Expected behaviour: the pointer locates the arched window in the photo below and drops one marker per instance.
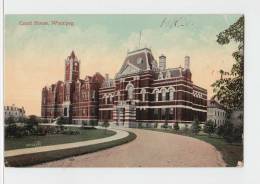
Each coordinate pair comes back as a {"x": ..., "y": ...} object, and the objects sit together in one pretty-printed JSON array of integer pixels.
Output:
[
  {"x": 171, "y": 93},
  {"x": 163, "y": 91},
  {"x": 168, "y": 74},
  {"x": 143, "y": 91},
  {"x": 130, "y": 91},
  {"x": 160, "y": 75},
  {"x": 111, "y": 98}
]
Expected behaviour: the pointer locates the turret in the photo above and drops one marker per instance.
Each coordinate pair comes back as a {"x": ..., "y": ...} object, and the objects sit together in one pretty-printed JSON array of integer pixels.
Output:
[{"x": 72, "y": 68}]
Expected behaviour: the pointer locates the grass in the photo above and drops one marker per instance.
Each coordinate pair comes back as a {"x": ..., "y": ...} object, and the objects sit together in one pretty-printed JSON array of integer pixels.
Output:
[
  {"x": 37, "y": 158},
  {"x": 231, "y": 152},
  {"x": 35, "y": 141}
]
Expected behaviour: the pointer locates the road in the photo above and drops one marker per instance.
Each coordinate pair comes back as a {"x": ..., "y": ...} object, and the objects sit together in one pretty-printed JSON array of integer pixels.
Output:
[{"x": 149, "y": 149}]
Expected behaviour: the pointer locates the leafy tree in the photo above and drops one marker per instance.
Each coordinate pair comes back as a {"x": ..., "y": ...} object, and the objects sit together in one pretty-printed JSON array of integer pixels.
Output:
[
  {"x": 209, "y": 127},
  {"x": 10, "y": 120},
  {"x": 195, "y": 127},
  {"x": 230, "y": 87},
  {"x": 176, "y": 126},
  {"x": 32, "y": 123}
]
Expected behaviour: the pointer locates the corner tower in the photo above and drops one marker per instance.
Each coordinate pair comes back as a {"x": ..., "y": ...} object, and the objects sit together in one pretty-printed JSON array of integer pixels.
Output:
[{"x": 72, "y": 66}]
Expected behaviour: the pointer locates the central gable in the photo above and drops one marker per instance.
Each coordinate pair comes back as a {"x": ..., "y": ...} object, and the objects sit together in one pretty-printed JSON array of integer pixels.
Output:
[{"x": 136, "y": 61}]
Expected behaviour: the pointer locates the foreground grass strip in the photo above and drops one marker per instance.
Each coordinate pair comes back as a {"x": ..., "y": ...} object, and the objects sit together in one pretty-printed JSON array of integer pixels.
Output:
[
  {"x": 37, "y": 158},
  {"x": 47, "y": 140},
  {"x": 231, "y": 153}
]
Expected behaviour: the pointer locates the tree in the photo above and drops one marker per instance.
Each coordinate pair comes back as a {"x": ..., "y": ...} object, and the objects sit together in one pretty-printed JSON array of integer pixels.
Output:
[
  {"x": 195, "y": 127},
  {"x": 230, "y": 87},
  {"x": 32, "y": 123},
  {"x": 176, "y": 126},
  {"x": 209, "y": 127},
  {"x": 10, "y": 120}
]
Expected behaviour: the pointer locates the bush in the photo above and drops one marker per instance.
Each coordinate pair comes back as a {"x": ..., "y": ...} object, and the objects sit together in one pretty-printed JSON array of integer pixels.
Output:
[
  {"x": 237, "y": 133},
  {"x": 219, "y": 130},
  {"x": 209, "y": 127},
  {"x": 195, "y": 127},
  {"x": 165, "y": 125},
  {"x": 228, "y": 132},
  {"x": 176, "y": 126},
  {"x": 156, "y": 125},
  {"x": 93, "y": 123},
  {"x": 63, "y": 120},
  {"x": 140, "y": 125}
]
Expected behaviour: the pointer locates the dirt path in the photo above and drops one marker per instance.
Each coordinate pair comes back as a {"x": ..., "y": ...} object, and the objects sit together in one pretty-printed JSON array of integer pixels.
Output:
[{"x": 150, "y": 149}]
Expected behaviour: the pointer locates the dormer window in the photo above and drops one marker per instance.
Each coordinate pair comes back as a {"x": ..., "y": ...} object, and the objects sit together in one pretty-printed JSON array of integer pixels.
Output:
[
  {"x": 168, "y": 74},
  {"x": 139, "y": 61},
  {"x": 160, "y": 75}
]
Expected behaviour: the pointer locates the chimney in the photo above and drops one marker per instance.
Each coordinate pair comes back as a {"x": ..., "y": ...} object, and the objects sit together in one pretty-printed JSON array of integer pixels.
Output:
[
  {"x": 106, "y": 76},
  {"x": 162, "y": 62},
  {"x": 186, "y": 62}
]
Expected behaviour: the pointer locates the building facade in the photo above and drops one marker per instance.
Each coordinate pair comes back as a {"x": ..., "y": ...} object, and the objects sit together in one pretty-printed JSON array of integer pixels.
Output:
[
  {"x": 216, "y": 112},
  {"x": 13, "y": 111},
  {"x": 143, "y": 91},
  {"x": 74, "y": 98}
]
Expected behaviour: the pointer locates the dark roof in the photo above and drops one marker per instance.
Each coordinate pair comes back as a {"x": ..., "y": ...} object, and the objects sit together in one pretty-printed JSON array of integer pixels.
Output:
[
  {"x": 141, "y": 59},
  {"x": 214, "y": 104},
  {"x": 175, "y": 72}
]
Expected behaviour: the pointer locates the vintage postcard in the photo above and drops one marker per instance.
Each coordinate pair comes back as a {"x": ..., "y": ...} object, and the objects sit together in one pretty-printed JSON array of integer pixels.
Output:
[{"x": 103, "y": 90}]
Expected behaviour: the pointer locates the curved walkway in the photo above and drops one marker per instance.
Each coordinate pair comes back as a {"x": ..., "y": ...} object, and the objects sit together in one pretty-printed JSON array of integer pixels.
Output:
[
  {"x": 149, "y": 149},
  {"x": 119, "y": 135}
]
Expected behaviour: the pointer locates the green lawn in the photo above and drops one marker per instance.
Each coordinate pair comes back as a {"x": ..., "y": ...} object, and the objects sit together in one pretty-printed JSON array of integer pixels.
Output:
[
  {"x": 35, "y": 141},
  {"x": 36, "y": 158},
  {"x": 231, "y": 152}
]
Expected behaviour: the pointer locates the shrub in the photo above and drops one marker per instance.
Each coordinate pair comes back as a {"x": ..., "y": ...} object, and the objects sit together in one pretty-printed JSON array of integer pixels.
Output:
[
  {"x": 219, "y": 130},
  {"x": 156, "y": 125},
  {"x": 209, "y": 127},
  {"x": 140, "y": 125},
  {"x": 228, "y": 131},
  {"x": 237, "y": 133},
  {"x": 176, "y": 126},
  {"x": 165, "y": 125},
  {"x": 195, "y": 127},
  {"x": 93, "y": 123},
  {"x": 62, "y": 120}
]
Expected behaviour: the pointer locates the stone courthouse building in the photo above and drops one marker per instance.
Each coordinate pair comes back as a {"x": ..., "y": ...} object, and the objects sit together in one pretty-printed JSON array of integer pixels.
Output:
[{"x": 143, "y": 91}]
